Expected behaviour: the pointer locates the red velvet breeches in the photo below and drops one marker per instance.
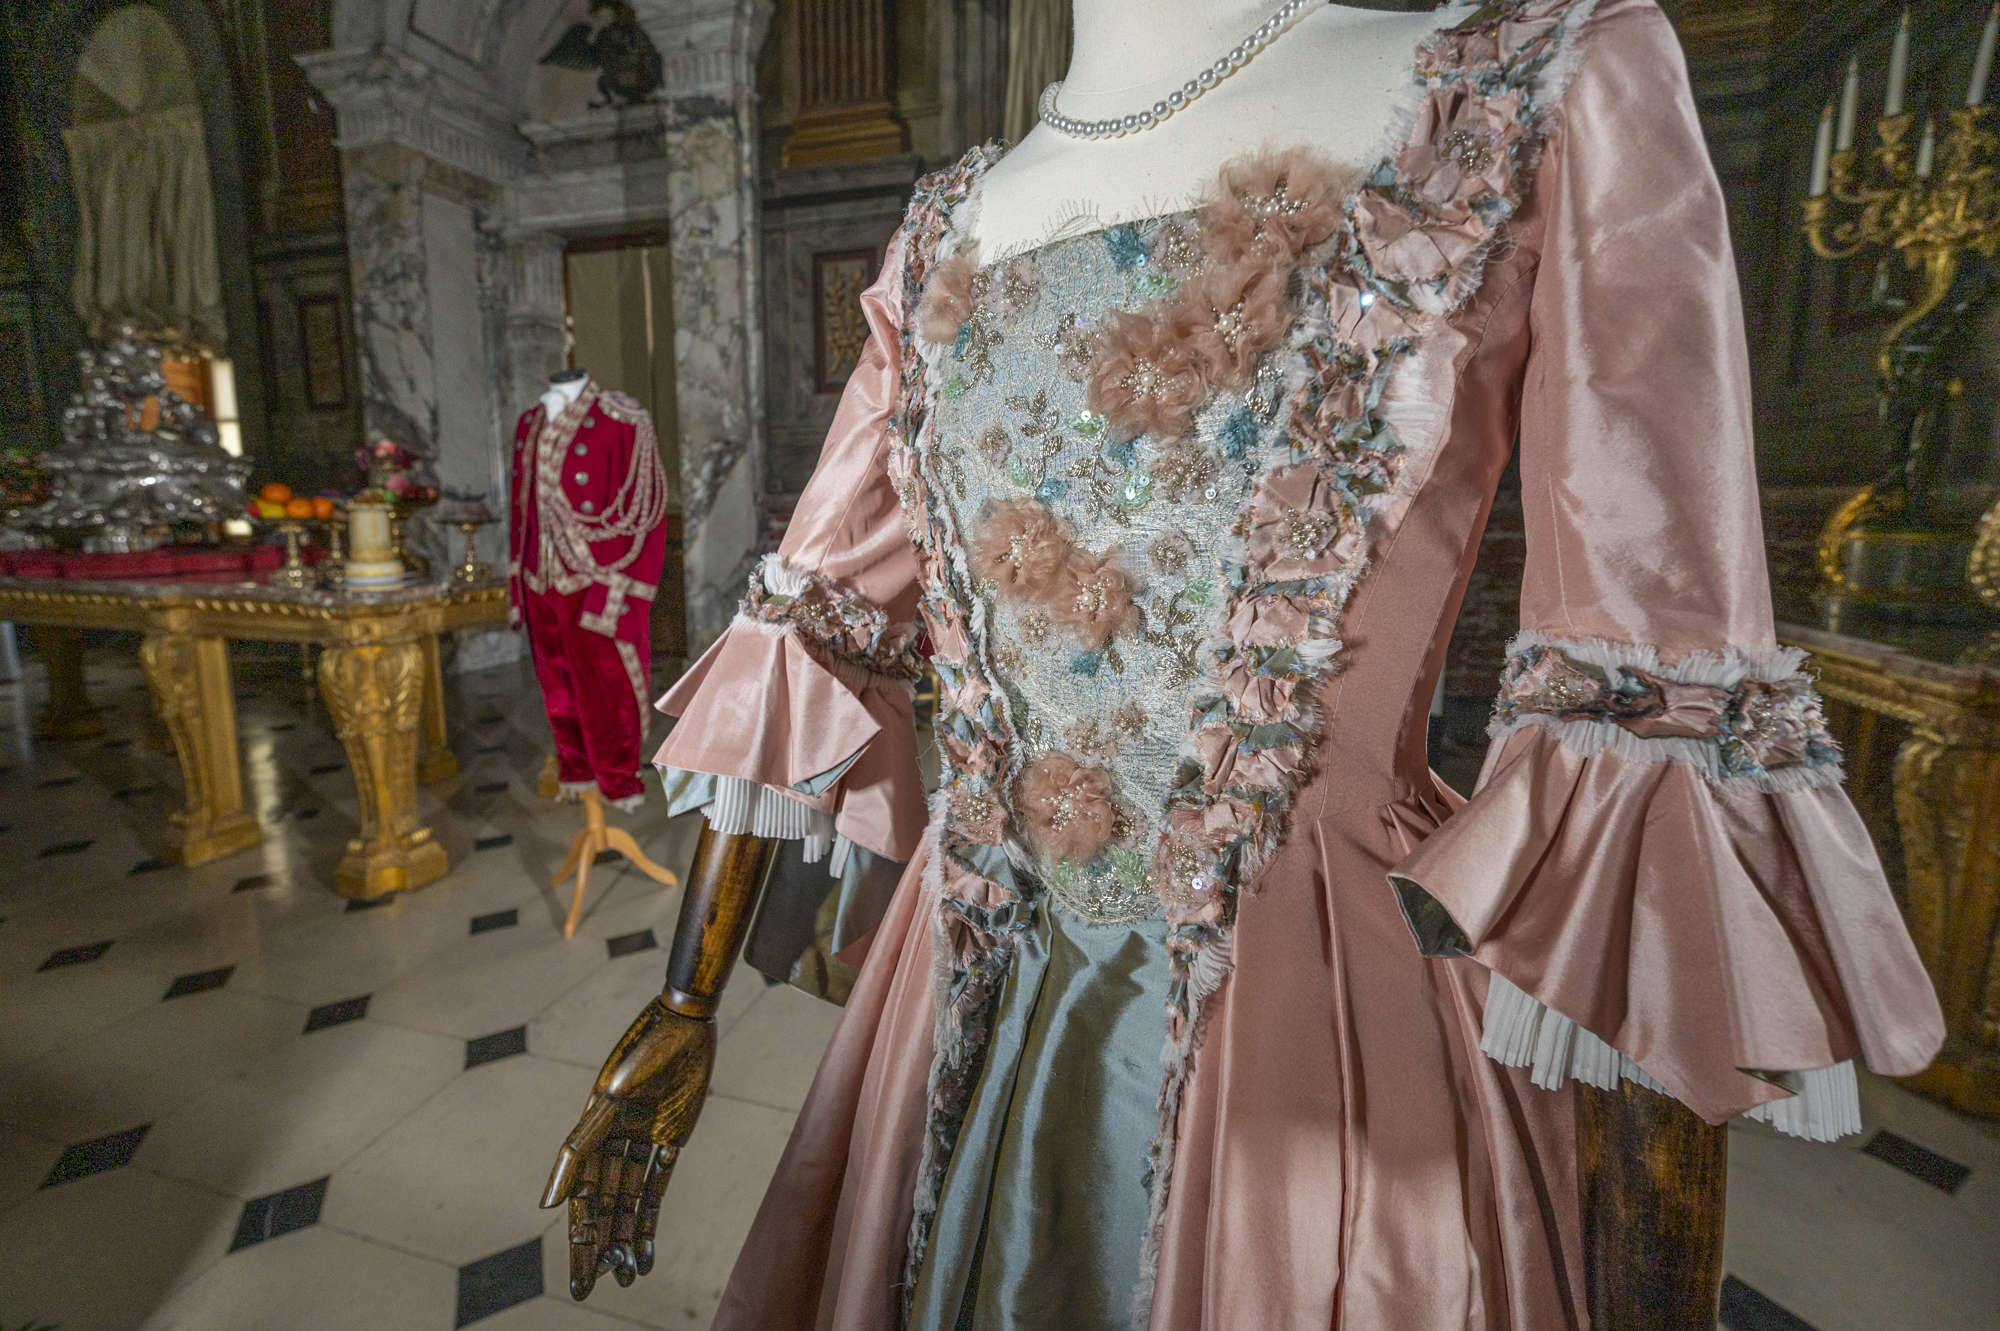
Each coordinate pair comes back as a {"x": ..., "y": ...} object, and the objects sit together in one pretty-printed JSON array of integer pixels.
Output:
[{"x": 591, "y": 686}]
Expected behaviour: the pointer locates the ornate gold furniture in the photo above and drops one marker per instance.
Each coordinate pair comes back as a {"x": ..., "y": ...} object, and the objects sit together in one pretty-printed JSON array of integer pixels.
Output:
[
  {"x": 378, "y": 670},
  {"x": 1918, "y": 711}
]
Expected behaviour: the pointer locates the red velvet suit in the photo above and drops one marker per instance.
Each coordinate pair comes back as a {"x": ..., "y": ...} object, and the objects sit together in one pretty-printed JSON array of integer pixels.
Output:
[{"x": 586, "y": 615}]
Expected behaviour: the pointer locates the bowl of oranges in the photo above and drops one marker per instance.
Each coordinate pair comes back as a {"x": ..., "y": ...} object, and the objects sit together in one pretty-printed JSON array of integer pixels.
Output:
[{"x": 276, "y": 500}]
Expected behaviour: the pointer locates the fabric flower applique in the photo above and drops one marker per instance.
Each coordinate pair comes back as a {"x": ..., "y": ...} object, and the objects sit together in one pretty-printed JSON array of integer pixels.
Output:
[
  {"x": 1067, "y": 808},
  {"x": 1299, "y": 526},
  {"x": 1229, "y": 316},
  {"x": 976, "y": 816},
  {"x": 1279, "y": 206},
  {"x": 1019, "y": 548},
  {"x": 950, "y": 295},
  {"x": 1093, "y": 598},
  {"x": 1142, "y": 378},
  {"x": 1177, "y": 246},
  {"x": 1016, "y": 286},
  {"x": 994, "y": 444}
]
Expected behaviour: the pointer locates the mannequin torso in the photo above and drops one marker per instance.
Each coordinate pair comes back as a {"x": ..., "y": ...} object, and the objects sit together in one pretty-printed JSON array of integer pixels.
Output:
[
  {"x": 563, "y": 389},
  {"x": 1332, "y": 82}
]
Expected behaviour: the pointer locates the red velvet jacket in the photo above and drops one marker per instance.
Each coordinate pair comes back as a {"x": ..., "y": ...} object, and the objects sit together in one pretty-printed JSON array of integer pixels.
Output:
[{"x": 589, "y": 449}]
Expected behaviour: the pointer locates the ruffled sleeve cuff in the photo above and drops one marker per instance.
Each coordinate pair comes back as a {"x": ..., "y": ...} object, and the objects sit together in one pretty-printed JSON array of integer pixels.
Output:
[
  {"x": 799, "y": 721},
  {"x": 1668, "y": 884}
]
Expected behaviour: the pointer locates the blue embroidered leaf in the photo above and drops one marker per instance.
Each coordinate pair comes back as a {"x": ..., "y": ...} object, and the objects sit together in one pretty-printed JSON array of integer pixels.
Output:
[
  {"x": 1055, "y": 487},
  {"x": 1238, "y": 434},
  {"x": 1085, "y": 663},
  {"x": 1128, "y": 250}
]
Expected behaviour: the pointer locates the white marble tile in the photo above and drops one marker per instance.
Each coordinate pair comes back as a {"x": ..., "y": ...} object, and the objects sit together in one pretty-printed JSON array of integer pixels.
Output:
[
  {"x": 314, "y": 1279},
  {"x": 710, "y": 1202},
  {"x": 101, "y": 1253},
  {"x": 489, "y": 982},
  {"x": 461, "y": 1178},
  {"x": 50, "y": 1008},
  {"x": 304, "y": 1110},
  {"x": 349, "y": 954},
  {"x": 555, "y": 1311},
  {"x": 140, "y": 1070},
  {"x": 25, "y": 1160},
  {"x": 770, "y": 1056}
]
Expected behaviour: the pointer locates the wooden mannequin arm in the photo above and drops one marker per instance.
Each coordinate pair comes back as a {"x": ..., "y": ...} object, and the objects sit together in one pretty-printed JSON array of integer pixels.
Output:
[
  {"x": 615, "y": 1164},
  {"x": 723, "y": 886}
]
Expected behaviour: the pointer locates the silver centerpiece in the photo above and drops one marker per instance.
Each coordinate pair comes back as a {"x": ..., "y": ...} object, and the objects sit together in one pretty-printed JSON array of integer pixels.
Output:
[{"x": 117, "y": 486}]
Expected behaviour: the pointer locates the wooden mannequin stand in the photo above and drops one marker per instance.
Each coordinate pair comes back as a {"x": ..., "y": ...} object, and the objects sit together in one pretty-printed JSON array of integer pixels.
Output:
[{"x": 597, "y": 835}]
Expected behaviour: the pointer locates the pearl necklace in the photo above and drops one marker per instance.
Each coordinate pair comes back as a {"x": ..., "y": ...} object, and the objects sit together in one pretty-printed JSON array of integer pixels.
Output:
[{"x": 1239, "y": 55}]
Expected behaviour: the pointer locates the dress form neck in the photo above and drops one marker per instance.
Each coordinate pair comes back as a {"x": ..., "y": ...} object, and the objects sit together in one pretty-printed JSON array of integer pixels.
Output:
[
  {"x": 1332, "y": 82},
  {"x": 562, "y": 391}
]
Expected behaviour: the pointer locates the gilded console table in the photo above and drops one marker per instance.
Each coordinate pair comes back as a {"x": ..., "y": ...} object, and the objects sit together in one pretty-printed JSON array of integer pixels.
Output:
[
  {"x": 378, "y": 670},
  {"x": 1918, "y": 711}
]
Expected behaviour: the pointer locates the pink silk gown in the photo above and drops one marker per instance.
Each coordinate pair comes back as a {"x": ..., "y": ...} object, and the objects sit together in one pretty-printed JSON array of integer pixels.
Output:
[{"x": 1373, "y": 990}]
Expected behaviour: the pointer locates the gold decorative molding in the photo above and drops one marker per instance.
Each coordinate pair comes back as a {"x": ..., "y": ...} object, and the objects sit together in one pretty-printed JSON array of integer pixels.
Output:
[
  {"x": 1946, "y": 796},
  {"x": 375, "y": 692}
]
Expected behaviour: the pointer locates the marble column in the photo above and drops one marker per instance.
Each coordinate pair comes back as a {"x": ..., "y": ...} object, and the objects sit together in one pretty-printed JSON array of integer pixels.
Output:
[{"x": 424, "y": 162}]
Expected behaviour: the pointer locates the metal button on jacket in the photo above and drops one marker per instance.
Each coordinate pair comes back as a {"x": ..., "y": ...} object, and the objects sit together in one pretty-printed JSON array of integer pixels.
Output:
[
  {"x": 581, "y": 450},
  {"x": 588, "y": 507},
  {"x": 583, "y": 478},
  {"x": 589, "y": 422}
]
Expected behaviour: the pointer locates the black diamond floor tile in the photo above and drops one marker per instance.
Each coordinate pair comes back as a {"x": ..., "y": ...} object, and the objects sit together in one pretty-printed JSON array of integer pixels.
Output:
[
  {"x": 336, "y": 1014},
  {"x": 494, "y": 842},
  {"x": 491, "y": 748},
  {"x": 57, "y": 782},
  {"x": 488, "y": 719},
  {"x": 371, "y": 903},
  {"x": 301, "y": 815},
  {"x": 255, "y": 881},
  {"x": 75, "y": 956},
  {"x": 116, "y": 744},
  {"x": 153, "y": 865},
  {"x": 326, "y": 769},
  {"x": 1744, "y": 1309},
  {"x": 1920, "y": 1162},
  {"x": 495, "y": 1284},
  {"x": 131, "y": 792},
  {"x": 605, "y": 857},
  {"x": 499, "y": 919},
  {"x": 198, "y": 983},
  {"x": 282, "y": 727},
  {"x": 94, "y": 1157},
  {"x": 626, "y": 944},
  {"x": 280, "y": 1213},
  {"x": 493, "y": 1048},
  {"x": 65, "y": 848},
  {"x": 489, "y": 788}
]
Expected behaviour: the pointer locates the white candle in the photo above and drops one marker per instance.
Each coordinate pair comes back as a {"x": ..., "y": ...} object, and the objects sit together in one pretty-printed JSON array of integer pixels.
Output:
[
  {"x": 1927, "y": 150},
  {"x": 1982, "y": 65},
  {"x": 1850, "y": 106},
  {"x": 1899, "y": 68},
  {"x": 1823, "y": 152}
]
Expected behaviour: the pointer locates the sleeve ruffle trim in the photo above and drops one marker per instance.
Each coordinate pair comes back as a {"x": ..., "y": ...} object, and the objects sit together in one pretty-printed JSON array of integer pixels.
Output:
[
  {"x": 1746, "y": 718},
  {"x": 771, "y": 707},
  {"x": 1737, "y": 945}
]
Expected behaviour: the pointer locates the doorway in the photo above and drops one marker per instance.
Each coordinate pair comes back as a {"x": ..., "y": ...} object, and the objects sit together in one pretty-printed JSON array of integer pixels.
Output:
[{"x": 618, "y": 299}]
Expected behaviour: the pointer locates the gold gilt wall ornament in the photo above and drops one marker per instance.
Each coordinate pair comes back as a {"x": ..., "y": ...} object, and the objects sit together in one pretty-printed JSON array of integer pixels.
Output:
[{"x": 1935, "y": 199}]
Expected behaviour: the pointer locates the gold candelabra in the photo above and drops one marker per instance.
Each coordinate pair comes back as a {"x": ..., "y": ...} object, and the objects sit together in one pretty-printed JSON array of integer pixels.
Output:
[{"x": 1934, "y": 199}]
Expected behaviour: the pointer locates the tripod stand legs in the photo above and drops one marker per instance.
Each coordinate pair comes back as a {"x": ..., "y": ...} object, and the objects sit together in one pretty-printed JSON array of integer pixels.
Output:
[{"x": 596, "y": 836}]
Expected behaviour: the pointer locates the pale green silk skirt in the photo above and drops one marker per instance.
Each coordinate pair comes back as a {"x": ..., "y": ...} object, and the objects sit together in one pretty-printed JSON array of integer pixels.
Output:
[{"x": 1043, "y": 1209}]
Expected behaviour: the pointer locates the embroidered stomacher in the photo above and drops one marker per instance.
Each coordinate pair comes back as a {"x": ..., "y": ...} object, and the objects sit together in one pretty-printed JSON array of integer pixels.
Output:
[{"x": 1368, "y": 269}]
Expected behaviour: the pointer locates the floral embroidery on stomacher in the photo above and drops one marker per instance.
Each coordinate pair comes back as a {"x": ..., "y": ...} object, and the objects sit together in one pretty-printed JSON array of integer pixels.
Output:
[
  {"x": 1747, "y": 719},
  {"x": 835, "y": 620}
]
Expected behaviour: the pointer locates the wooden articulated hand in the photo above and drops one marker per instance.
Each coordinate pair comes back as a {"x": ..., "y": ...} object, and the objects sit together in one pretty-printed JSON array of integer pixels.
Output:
[{"x": 614, "y": 1166}]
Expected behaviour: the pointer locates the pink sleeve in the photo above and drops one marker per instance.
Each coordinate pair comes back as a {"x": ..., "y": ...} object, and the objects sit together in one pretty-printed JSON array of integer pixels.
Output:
[
  {"x": 1660, "y": 866},
  {"x": 808, "y": 692}
]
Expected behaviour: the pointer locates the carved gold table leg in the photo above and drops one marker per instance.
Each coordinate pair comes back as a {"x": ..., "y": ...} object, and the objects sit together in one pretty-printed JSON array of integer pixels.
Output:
[
  {"x": 68, "y": 714},
  {"x": 435, "y": 760},
  {"x": 189, "y": 676},
  {"x": 1948, "y": 810},
  {"x": 375, "y": 692}
]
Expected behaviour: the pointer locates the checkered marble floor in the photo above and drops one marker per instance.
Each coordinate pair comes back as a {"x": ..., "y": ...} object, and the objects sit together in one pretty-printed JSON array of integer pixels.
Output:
[{"x": 231, "y": 1099}]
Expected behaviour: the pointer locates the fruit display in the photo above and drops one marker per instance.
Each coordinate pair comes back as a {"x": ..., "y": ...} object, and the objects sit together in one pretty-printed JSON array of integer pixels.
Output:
[{"x": 277, "y": 500}]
